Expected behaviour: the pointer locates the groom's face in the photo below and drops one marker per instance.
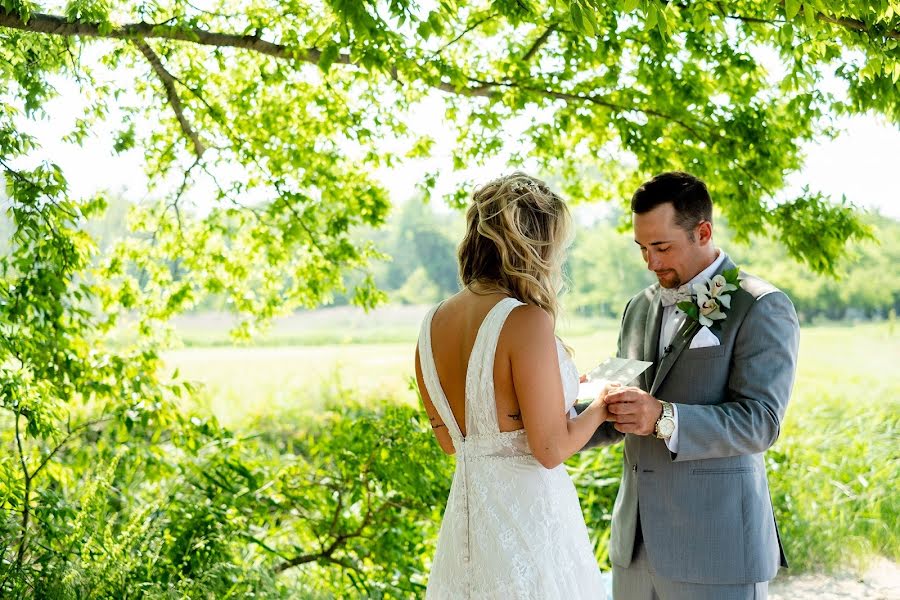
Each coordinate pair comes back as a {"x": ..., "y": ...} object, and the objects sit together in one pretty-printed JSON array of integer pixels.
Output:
[{"x": 668, "y": 249}]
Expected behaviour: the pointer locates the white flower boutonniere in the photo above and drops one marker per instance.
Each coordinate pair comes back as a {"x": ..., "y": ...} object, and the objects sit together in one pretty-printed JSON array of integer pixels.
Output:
[{"x": 710, "y": 300}]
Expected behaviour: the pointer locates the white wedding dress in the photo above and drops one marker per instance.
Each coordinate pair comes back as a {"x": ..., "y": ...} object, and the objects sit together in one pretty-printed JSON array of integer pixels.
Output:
[{"x": 512, "y": 529}]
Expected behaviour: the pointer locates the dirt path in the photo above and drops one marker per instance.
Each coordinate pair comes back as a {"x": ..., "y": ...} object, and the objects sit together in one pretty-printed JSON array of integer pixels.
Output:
[{"x": 880, "y": 582}]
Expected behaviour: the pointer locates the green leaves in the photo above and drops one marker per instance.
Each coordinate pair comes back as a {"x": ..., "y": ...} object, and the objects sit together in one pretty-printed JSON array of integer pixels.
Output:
[
  {"x": 582, "y": 18},
  {"x": 329, "y": 55},
  {"x": 690, "y": 309},
  {"x": 732, "y": 276},
  {"x": 811, "y": 221},
  {"x": 88, "y": 11},
  {"x": 791, "y": 8}
]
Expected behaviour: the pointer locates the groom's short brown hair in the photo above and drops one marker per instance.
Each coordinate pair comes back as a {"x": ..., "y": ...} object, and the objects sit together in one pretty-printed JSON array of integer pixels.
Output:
[{"x": 688, "y": 195}]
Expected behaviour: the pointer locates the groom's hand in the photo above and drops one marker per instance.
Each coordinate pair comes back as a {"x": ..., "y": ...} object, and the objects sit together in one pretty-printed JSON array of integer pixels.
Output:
[{"x": 633, "y": 410}]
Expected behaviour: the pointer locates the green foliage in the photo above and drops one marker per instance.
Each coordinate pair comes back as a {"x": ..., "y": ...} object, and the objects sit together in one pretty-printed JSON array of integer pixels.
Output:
[
  {"x": 345, "y": 503},
  {"x": 832, "y": 477},
  {"x": 108, "y": 488},
  {"x": 288, "y": 108},
  {"x": 597, "y": 474},
  {"x": 862, "y": 290}
]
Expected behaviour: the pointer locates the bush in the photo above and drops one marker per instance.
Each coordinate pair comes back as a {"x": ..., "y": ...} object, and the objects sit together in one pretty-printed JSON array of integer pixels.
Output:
[
  {"x": 596, "y": 474},
  {"x": 834, "y": 475},
  {"x": 343, "y": 505}
]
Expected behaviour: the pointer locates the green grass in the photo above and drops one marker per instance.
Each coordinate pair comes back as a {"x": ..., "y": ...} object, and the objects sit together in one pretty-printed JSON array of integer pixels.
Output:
[
  {"x": 339, "y": 326},
  {"x": 246, "y": 380},
  {"x": 834, "y": 470}
]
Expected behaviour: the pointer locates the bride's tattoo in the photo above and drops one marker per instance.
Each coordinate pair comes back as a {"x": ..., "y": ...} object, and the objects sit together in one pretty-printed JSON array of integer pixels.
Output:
[
  {"x": 515, "y": 417},
  {"x": 436, "y": 423},
  {"x": 438, "y": 426}
]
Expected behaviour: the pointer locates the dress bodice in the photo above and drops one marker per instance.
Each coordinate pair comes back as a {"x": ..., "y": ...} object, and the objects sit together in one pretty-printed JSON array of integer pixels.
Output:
[{"x": 569, "y": 374}]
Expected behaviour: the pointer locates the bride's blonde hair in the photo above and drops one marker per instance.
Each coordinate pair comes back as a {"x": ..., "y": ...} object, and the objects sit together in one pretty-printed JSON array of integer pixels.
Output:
[{"x": 517, "y": 233}]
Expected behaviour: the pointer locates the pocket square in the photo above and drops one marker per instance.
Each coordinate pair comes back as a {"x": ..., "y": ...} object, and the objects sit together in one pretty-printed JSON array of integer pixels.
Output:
[{"x": 704, "y": 339}]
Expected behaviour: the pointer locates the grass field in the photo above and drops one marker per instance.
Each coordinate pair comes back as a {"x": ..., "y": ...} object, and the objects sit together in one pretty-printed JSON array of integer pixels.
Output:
[
  {"x": 857, "y": 361},
  {"x": 313, "y": 356}
]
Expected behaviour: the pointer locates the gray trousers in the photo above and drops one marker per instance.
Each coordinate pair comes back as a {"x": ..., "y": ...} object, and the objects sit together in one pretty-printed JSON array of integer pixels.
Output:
[{"x": 638, "y": 581}]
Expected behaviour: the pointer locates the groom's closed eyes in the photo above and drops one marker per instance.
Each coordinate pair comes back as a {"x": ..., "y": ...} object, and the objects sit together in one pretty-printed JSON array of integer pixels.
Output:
[{"x": 660, "y": 246}]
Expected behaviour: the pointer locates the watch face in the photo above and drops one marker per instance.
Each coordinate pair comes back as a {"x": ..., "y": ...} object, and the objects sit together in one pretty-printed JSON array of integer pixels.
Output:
[{"x": 666, "y": 427}]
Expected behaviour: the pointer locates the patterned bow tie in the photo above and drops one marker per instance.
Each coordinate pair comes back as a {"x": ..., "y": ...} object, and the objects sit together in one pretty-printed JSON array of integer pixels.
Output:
[{"x": 672, "y": 296}]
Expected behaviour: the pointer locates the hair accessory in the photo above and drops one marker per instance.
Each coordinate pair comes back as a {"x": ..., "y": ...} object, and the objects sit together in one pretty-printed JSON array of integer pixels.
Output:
[{"x": 523, "y": 187}]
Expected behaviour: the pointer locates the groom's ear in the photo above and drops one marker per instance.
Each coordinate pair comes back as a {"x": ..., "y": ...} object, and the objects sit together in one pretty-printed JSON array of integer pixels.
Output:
[{"x": 704, "y": 232}]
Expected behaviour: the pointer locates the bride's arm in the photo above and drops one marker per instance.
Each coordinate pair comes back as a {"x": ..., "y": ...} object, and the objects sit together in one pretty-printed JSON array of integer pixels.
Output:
[
  {"x": 606, "y": 434},
  {"x": 552, "y": 436}
]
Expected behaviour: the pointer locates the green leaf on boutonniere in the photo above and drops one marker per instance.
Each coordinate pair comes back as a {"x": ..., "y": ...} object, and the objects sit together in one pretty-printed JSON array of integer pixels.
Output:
[
  {"x": 732, "y": 275},
  {"x": 690, "y": 309}
]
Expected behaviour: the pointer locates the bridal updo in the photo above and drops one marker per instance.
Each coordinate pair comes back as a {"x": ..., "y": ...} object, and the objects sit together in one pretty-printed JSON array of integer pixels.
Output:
[{"x": 517, "y": 233}]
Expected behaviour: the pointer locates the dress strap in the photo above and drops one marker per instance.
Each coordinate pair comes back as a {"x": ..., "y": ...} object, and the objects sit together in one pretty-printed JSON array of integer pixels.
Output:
[
  {"x": 433, "y": 382},
  {"x": 481, "y": 404}
]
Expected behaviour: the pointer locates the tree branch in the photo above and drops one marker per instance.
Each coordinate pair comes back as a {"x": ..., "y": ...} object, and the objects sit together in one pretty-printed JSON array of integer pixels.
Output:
[
  {"x": 26, "y": 497},
  {"x": 540, "y": 41},
  {"x": 56, "y": 25},
  {"x": 168, "y": 82},
  {"x": 66, "y": 440},
  {"x": 845, "y": 22},
  {"x": 856, "y": 25},
  {"x": 50, "y": 24},
  {"x": 465, "y": 32}
]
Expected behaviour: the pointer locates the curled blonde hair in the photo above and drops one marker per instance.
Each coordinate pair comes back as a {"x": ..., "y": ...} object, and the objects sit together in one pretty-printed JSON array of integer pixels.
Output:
[{"x": 517, "y": 233}]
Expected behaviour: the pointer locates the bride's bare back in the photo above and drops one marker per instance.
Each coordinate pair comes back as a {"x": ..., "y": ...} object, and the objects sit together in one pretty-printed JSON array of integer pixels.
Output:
[{"x": 453, "y": 331}]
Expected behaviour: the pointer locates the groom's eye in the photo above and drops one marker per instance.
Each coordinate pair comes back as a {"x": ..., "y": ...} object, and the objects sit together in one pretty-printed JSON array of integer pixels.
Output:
[{"x": 661, "y": 249}]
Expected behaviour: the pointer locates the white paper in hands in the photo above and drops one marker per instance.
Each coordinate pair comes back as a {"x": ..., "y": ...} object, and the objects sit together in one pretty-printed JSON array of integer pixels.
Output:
[{"x": 611, "y": 370}]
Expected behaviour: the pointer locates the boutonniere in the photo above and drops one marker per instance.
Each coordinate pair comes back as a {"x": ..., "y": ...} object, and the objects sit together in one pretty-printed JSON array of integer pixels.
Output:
[{"x": 710, "y": 301}]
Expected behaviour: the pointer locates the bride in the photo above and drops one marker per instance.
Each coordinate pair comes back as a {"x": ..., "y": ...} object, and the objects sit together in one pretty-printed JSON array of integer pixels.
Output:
[{"x": 497, "y": 384}]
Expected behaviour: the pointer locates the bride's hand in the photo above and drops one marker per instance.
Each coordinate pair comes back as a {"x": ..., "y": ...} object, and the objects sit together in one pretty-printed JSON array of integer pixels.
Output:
[
  {"x": 606, "y": 390},
  {"x": 599, "y": 404}
]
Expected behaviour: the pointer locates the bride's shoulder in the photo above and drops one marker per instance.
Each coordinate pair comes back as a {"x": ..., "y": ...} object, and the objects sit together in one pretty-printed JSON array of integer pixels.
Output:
[{"x": 529, "y": 321}]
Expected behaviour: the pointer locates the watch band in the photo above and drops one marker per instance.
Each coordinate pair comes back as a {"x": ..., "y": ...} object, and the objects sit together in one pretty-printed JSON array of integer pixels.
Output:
[{"x": 667, "y": 413}]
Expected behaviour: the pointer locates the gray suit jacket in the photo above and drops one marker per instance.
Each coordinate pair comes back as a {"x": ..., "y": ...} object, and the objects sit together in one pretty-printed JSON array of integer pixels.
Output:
[{"x": 705, "y": 512}]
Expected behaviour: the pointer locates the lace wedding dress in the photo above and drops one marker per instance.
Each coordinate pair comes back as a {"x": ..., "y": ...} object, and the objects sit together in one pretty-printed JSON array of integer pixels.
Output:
[{"x": 512, "y": 529}]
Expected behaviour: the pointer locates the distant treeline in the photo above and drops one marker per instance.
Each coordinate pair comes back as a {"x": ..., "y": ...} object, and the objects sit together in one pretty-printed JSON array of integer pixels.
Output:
[{"x": 604, "y": 267}]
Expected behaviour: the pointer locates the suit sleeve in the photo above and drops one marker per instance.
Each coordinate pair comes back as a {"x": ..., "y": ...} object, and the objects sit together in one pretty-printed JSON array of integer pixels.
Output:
[
  {"x": 762, "y": 374},
  {"x": 606, "y": 434}
]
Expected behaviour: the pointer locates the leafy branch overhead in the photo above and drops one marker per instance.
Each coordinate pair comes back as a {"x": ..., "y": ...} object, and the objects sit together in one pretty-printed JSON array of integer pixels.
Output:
[{"x": 288, "y": 108}]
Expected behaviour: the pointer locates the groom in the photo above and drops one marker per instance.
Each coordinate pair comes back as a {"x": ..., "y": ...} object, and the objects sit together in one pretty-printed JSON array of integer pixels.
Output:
[{"x": 693, "y": 518}]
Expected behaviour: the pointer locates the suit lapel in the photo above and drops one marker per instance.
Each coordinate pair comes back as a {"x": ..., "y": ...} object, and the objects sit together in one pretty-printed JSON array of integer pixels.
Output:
[
  {"x": 679, "y": 340},
  {"x": 678, "y": 344},
  {"x": 652, "y": 330}
]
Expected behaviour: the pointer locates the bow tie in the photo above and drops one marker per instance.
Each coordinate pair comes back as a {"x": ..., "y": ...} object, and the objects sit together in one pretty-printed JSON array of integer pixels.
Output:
[{"x": 672, "y": 296}]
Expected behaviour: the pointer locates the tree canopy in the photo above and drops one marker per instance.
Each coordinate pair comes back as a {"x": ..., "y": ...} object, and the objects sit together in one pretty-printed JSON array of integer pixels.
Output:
[{"x": 289, "y": 107}]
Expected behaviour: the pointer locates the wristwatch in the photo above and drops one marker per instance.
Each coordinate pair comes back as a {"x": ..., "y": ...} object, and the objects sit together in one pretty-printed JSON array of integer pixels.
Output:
[{"x": 665, "y": 425}]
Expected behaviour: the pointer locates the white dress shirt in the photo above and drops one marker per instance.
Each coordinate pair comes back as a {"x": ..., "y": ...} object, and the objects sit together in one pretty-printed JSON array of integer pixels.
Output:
[{"x": 672, "y": 320}]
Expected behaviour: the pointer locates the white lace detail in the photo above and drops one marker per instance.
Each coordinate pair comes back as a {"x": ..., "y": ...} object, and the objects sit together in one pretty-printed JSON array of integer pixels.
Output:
[{"x": 512, "y": 529}]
